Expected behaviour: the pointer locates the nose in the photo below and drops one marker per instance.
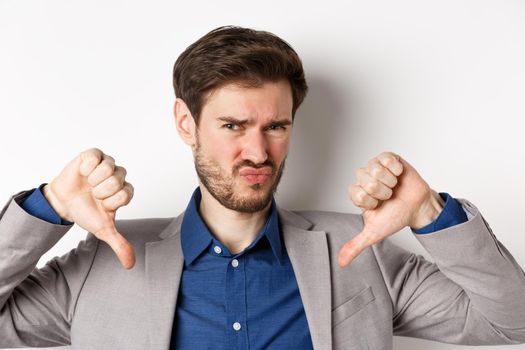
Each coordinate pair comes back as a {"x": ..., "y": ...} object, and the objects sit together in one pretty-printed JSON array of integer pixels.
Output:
[{"x": 255, "y": 148}]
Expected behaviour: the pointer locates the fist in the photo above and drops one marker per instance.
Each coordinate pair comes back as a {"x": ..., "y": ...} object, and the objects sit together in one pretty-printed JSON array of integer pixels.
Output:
[
  {"x": 391, "y": 195},
  {"x": 88, "y": 192}
]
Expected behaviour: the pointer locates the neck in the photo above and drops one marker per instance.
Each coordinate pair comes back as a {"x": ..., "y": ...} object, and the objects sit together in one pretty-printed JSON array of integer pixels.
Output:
[{"x": 234, "y": 229}]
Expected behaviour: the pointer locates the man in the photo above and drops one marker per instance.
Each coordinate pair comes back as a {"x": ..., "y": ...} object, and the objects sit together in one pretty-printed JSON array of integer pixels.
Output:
[{"x": 235, "y": 271}]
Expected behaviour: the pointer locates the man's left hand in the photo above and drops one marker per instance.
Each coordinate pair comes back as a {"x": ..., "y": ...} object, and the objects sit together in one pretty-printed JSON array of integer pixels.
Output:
[{"x": 391, "y": 195}]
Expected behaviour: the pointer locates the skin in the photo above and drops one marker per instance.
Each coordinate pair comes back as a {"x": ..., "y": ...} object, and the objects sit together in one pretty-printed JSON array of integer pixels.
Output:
[
  {"x": 239, "y": 129},
  {"x": 242, "y": 129},
  {"x": 88, "y": 191}
]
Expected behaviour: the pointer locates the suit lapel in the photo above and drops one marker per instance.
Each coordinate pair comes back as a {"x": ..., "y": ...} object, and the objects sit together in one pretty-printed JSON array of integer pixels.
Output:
[
  {"x": 164, "y": 264},
  {"x": 308, "y": 252}
]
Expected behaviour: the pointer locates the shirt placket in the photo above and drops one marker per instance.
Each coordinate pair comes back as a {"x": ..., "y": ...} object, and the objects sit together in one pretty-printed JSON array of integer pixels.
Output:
[{"x": 236, "y": 303}]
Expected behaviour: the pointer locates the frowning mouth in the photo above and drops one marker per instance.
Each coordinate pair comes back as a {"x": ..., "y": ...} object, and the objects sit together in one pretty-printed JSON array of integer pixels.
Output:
[{"x": 254, "y": 176}]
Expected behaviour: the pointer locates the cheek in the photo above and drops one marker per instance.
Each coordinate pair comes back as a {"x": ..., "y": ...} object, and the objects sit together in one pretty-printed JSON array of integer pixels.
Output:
[
  {"x": 220, "y": 151},
  {"x": 278, "y": 150}
]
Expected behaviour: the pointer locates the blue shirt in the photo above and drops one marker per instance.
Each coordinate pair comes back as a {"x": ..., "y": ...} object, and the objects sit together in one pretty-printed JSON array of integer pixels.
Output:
[
  {"x": 452, "y": 214},
  {"x": 37, "y": 205},
  {"x": 247, "y": 300}
]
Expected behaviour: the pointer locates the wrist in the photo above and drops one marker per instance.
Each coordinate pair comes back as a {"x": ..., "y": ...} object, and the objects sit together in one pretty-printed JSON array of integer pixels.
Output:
[
  {"x": 429, "y": 211},
  {"x": 53, "y": 201}
]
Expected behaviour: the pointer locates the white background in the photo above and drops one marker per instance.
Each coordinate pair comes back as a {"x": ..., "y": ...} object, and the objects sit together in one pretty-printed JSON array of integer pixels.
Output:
[{"x": 439, "y": 82}]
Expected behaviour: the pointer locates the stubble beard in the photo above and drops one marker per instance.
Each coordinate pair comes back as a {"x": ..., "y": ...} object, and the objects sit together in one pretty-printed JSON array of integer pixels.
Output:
[{"x": 222, "y": 185}]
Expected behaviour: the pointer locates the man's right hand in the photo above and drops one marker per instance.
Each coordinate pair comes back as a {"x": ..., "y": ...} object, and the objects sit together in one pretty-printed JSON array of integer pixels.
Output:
[{"x": 88, "y": 192}]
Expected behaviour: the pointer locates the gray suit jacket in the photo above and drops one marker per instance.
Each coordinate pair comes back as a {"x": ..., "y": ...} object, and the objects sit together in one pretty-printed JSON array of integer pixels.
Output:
[{"x": 474, "y": 293}]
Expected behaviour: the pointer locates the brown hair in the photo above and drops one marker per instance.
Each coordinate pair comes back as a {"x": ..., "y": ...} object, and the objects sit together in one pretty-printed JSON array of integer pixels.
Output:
[{"x": 232, "y": 54}]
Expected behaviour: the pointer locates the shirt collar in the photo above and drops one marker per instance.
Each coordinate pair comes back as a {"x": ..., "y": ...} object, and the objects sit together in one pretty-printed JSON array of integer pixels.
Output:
[{"x": 195, "y": 236}]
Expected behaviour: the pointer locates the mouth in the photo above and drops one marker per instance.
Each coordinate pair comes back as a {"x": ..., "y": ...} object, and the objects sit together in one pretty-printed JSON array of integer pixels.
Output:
[{"x": 256, "y": 176}]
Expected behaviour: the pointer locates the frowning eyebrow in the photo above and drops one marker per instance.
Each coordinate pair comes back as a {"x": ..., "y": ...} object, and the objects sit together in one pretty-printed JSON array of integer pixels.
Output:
[{"x": 230, "y": 119}]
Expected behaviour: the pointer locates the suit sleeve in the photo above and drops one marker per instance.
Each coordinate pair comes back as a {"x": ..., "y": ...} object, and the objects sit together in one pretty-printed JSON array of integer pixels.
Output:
[
  {"x": 473, "y": 293},
  {"x": 37, "y": 305}
]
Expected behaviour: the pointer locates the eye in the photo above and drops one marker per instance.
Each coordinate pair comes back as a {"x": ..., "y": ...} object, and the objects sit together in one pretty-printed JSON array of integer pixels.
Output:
[
  {"x": 277, "y": 127},
  {"x": 231, "y": 126}
]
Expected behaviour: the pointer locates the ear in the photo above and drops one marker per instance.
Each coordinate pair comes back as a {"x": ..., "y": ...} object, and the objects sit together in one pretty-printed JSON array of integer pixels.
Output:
[{"x": 184, "y": 122}]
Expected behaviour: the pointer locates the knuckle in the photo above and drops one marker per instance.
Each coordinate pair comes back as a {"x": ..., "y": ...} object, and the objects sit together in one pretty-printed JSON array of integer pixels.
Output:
[
  {"x": 124, "y": 197},
  {"x": 108, "y": 204},
  {"x": 131, "y": 189},
  {"x": 106, "y": 169},
  {"x": 394, "y": 181},
  {"x": 372, "y": 187},
  {"x": 371, "y": 238},
  {"x": 122, "y": 171},
  {"x": 387, "y": 154},
  {"x": 98, "y": 192},
  {"x": 372, "y": 161},
  {"x": 129, "y": 197},
  {"x": 103, "y": 235},
  {"x": 377, "y": 171},
  {"x": 384, "y": 195},
  {"x": 119, "y": 247},
  {"x": 388, "y": 161},
  {"x": 92, "y": 152},
  {"x": 91, "y": 180},
  {"x": 392, "y": 159},
  {"x": 90, "y": 159},
  {"x": 354, "y": 192},
  {"x": 113, "y": 183},
  {"x": 361, "y": 196},
  {"x": 95, "y": 150},
  {"x": 356, "y": 198},
  {"x": 118, "y": 200},
  {"x": 125, "y": 194}
]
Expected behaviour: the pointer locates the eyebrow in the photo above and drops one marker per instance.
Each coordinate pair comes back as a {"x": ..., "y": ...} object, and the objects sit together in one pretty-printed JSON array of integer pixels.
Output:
[{"x": 230, "y": 119}]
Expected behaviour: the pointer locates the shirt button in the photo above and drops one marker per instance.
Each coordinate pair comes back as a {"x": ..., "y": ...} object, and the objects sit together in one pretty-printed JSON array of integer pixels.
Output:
[
  {"x": 235, "y": 262},
  {"x": 237, "y": 326},
  {"x": 217, "y": 249}
]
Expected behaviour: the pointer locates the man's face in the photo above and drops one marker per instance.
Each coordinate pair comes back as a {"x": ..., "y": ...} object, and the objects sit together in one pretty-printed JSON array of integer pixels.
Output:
[{"x": 242, "y": 142}]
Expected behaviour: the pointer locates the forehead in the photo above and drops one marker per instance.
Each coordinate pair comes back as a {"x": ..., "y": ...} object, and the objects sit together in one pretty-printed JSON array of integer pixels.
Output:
[{"x": 269, "y": 100}]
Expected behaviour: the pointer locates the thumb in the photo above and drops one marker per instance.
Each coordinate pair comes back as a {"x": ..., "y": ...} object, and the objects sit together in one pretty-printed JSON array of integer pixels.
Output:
[
  {"x": 352, "y": 248},
  {"x": 122, "y": 248}
]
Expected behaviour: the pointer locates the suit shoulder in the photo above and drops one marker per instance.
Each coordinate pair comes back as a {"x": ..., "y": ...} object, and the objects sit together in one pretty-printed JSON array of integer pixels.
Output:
[
  {"x": 142, "y": 229},
  {"x": 329, "y": 218},
  {"x": 331, "y": 221}
]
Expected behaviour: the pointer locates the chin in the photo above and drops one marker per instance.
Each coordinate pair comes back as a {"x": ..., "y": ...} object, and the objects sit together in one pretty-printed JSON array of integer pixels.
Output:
[
  {"x": 260, "y": 188},
  {"x": 255, "y": 193},
  {"x": 257, "y": 187}
]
